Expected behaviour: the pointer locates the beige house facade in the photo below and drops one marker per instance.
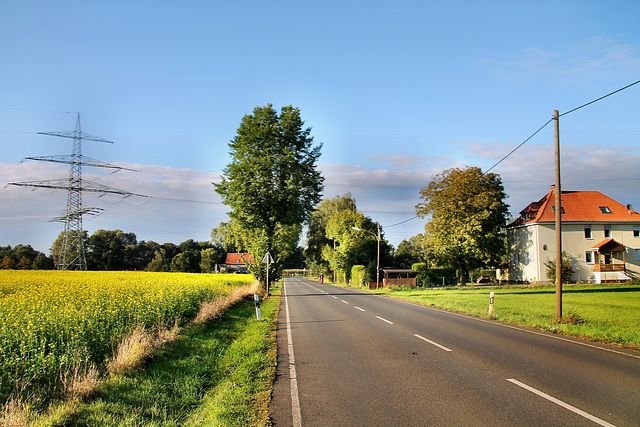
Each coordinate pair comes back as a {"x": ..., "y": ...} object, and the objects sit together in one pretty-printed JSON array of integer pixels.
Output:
[{"x": 600, "y": 236}]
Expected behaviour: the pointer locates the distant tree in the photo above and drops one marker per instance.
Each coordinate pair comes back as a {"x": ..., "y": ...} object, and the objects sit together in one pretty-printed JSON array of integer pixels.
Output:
[
  {"x": 109, "y": 250},
  {"x": 411, "y": 251},
  {"x": 56, "y": 247},
  {"x": 23, "y": 257},
  {"x": 317, "y": 229},
  {"x": 225, "y": 236},
  {"x": 160, "y": 262},
  {"x": 467, "y": 212},
  {"x": 272, "y": 183},
  {"x": 354, "y": 247},
  {"x": 208, "y": 259},
  {"x": 186, "y": 262}
]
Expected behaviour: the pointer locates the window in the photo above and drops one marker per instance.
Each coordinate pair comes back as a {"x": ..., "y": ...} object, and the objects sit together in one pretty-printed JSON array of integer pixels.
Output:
[
  {"x": 637, "y": 251},
  {"x": 605, "y": 210},
  {"x": 553, "y": 208},
  {"x": 607, "y": 231},
  {"x": 587, "y": 232},
  {"x": 636, "y": 231},
  {"x": 588, "y": 256}
]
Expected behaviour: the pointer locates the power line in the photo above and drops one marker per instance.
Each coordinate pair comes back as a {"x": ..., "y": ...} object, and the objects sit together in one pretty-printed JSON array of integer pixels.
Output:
[
  {"x": 560, "y": 115},
  {"x": 401, "y": 222},
  {"x": 599, "y": 99},
  {"x": 521, "y": 144}
]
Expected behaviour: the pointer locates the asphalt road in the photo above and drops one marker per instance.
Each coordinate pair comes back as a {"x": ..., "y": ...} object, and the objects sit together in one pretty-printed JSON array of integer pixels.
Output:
[{"x": 348, "y": 358}]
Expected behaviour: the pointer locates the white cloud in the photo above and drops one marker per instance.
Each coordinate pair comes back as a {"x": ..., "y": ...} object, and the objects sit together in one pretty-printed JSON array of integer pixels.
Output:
[{"x": 184, "y": 204}]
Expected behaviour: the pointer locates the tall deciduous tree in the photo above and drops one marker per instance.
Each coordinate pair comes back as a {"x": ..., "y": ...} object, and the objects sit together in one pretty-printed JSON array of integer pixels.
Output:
[
  {"x": 467, "y": 212},
  {"x": 272, "y": 183},
  {"x": 317, "y": 229}
]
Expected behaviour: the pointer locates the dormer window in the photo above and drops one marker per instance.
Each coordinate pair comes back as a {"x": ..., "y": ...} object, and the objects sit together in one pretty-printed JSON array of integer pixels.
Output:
[{"x": 605, "y": 209}]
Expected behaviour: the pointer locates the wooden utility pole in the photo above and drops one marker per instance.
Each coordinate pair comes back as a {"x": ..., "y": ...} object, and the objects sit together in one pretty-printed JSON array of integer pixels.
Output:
[{"x": 558, "y": 193}]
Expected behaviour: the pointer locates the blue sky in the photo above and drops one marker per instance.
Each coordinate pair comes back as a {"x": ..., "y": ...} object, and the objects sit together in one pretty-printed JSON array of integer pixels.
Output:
[{"x": 396, "y": 91}]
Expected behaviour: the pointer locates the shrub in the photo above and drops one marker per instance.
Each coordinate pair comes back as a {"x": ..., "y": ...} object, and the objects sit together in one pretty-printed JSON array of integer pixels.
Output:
[{"x": 357, "y": 275}]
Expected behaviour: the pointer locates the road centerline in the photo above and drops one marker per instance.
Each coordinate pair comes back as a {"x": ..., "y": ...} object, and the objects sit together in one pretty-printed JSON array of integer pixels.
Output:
[
  {"x": 384, "y": 320},
  {"x": 432, "y": 342}
]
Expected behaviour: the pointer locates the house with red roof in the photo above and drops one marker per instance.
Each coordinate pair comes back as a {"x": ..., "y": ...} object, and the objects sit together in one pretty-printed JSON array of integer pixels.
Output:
[
  {"x": 235, "y": 262},
  {"x": 600, "y": 235}
]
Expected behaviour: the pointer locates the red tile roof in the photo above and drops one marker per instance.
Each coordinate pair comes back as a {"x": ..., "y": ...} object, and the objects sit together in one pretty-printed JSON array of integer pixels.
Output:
[
  {"x": 236, "y": 259},
  {"x": 577, "y": 206}
]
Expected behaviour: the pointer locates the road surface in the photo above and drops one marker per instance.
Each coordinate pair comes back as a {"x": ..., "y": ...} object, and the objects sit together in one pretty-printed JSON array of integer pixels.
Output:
[{"x": 348, "y": 358}]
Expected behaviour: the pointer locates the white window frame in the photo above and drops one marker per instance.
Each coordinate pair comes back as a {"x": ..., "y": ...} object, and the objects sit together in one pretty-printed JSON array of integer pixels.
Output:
[
  {"x": 590, "y": 232},
  {"x": 607, "y": 231},
  {"x": 589, "y": 257},
  {"x": 636, "y": 231}
]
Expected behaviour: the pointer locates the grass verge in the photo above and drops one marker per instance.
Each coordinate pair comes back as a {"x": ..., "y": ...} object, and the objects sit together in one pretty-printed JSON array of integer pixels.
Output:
[
  {"x": 601, "y": 313},
  {"x": 215, "y": 373}
]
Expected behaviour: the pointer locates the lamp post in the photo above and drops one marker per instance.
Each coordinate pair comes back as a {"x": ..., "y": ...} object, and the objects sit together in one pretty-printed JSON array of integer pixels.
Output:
[{"x": 378, "y": 259}]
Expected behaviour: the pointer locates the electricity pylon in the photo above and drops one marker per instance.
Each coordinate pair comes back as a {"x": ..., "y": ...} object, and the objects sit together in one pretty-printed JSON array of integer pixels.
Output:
[{"x": 73, "y": 254}]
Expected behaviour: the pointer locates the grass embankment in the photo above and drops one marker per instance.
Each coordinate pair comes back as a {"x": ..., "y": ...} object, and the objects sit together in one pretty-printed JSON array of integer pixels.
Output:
[
  {"x": 219, "y": 373},
  {"x": 604, "y": 313}
]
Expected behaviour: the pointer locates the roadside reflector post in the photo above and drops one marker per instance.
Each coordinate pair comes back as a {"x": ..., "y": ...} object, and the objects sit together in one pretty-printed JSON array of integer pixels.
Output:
[
  {"x": 491, "y": 303},
  {"x": 256, "y": 298}
]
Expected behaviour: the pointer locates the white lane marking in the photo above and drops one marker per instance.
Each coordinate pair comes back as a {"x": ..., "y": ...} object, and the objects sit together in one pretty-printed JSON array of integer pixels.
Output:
[
  {"x": 293, "y": 377},
  {"x": 358, "y": 308},
  {"x": 333, "y": 296},
  {"x": 344, "y": 301},
  {"x": 384, "y": 320},
  {"x": 561, "y": 403},
  {"x": 432, "y": 342}
]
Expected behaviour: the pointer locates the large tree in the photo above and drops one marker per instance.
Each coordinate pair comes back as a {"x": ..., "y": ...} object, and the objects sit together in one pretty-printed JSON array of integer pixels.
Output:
[
  {"x": 467, "y": 212},
  {"x": 272, "y": 183}
]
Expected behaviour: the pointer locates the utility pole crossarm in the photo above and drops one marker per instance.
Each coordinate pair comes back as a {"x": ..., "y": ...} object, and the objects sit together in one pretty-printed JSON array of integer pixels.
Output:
[
  {"x": 77, "y": 134},
  {"x": 81, "y": 160}
]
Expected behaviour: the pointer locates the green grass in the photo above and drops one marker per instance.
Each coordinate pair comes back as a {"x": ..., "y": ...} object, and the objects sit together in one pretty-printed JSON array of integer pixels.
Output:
[
  {"x": 605, "y": 313},
  {"x": 219, "y": 373}
]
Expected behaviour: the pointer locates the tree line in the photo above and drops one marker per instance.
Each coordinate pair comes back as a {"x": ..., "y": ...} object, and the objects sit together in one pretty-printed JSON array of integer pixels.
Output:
[{"x": 274, "y": 189}]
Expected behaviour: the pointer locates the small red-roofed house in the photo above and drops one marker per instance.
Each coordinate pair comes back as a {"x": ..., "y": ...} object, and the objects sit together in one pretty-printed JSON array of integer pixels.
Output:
[
  {"x": 235, "y": 262},
  {"x": 600, "y": 235}
]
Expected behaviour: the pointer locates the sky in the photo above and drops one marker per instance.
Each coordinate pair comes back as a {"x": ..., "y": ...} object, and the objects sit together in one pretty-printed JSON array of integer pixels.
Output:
[{"x": 395, "y": 91}]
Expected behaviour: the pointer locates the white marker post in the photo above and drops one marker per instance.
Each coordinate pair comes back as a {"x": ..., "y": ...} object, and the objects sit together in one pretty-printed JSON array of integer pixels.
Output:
[
  {"x": 256, "y": 298},
  {"x": 491, "y": 303},
  {"x": 267, "y": 260}
]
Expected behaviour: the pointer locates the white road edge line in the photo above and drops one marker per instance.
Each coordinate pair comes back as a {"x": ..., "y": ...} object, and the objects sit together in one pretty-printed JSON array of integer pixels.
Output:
[
  {"x": 561, "y": 403},
  {"x": 384, "y": 320},
  {"x": 432, "y": 342},
  {"x": 358, "y": 308},
  {"x": 293, "y": 377}
]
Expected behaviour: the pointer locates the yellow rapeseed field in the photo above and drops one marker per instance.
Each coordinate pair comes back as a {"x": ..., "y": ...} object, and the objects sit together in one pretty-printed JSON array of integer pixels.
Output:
[{"x": 54, "y": 321}]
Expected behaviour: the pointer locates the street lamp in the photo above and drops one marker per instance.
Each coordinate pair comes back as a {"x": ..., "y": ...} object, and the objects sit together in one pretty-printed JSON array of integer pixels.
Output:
[{"x": 378, "y": 260}]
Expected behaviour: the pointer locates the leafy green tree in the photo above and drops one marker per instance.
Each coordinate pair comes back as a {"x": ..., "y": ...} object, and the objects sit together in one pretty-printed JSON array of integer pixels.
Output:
[
  {"x": 225, "y": 236},
  {"x": 108, "y": 250},
  {"x": 467, "y": 212},
  {"x": 566, "y": 269},
  {"x": 56, "y": 247},
  {"x": 411, "y": 251},
  {"x": 208, "y": 259},
  {"x": 186, "y": 262},
  {"x": 353, "y": 246},
  {"x": 317, "y": 229},
  {"x": 272, "y": 183},
  {"x": 160, "y": 261}
]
